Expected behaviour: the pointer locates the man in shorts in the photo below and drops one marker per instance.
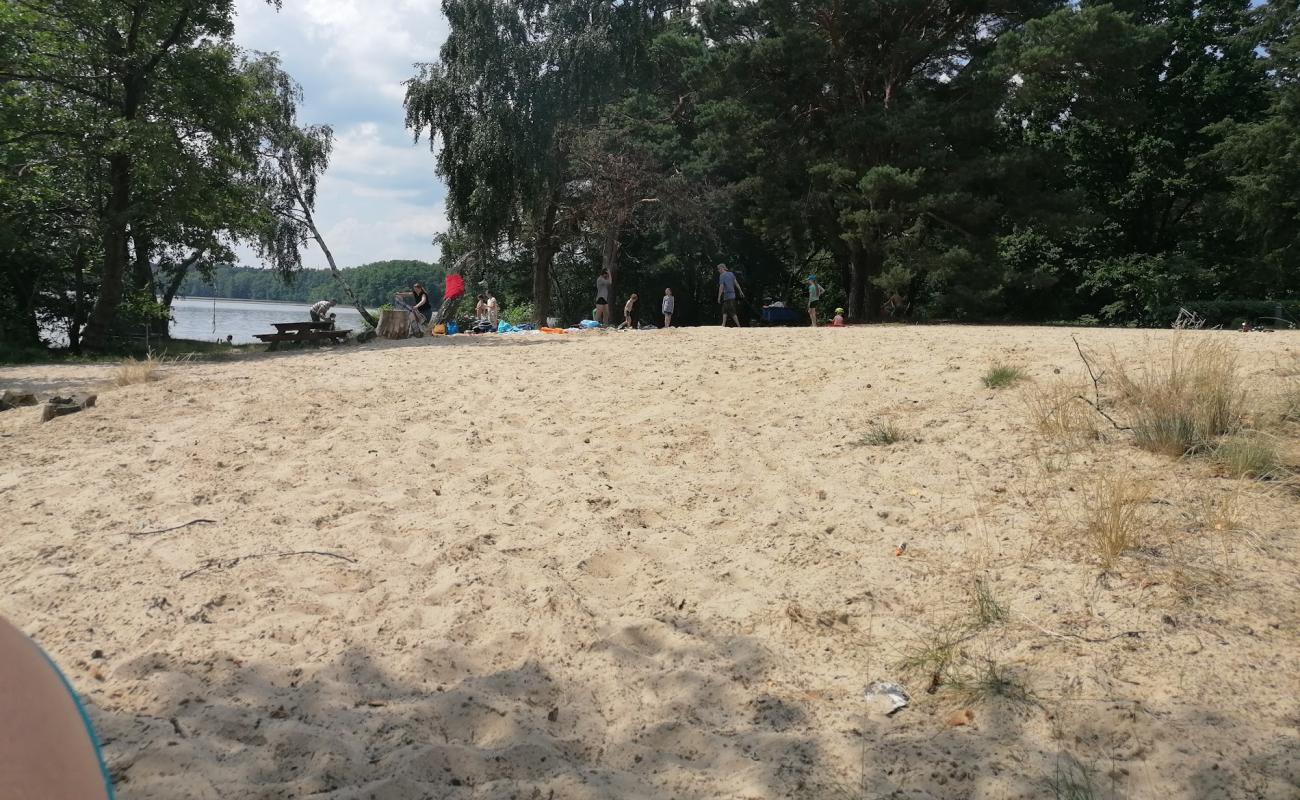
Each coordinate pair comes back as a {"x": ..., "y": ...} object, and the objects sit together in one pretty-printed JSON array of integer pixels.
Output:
[
  {"x": 728, "y": 290},
  {"x": 603, "y": 285}
]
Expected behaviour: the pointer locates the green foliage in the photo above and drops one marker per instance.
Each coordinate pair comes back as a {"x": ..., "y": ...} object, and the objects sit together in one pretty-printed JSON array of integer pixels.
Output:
[
  {"x": 1001, "y": 376},
  {"x": 518, "y": 315}
]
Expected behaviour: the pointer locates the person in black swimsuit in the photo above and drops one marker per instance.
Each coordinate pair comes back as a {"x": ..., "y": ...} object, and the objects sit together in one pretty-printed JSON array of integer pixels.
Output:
[{"x": 420, "y": 307}]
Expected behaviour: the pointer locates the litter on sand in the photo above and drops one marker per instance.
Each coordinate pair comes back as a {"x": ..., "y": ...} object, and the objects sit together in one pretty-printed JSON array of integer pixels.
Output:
[{"x": 892, "y": 694}]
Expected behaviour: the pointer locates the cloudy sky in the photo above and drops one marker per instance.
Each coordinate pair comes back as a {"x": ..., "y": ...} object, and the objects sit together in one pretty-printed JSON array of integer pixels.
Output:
[{"x": 380, "y": 198}]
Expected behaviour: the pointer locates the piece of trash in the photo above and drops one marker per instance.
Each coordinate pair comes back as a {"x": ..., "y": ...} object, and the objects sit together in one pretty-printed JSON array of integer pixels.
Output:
[
  {"x": 892, "y": 693},
  {"x": 960, "y": 718},
  {"x": 901, "y": 549}
]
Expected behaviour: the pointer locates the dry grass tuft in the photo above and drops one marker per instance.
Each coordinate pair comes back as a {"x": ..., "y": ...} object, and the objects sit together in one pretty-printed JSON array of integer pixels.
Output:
[
  {"x": 1249, "y": 455},
  {"x": 1290, "y": 401},
  {"x": 1060, "y": 415},
  {"x": 985, "y": 606},
  {"x": 1180, "y": 403},
  {"x": 1001, "y": 376},
  {"x": 133, "y": 371},
  {"x": 1116, "y": 517},
  {"x": 987, "y": 681},
  {"x": 881, "y": 434}
]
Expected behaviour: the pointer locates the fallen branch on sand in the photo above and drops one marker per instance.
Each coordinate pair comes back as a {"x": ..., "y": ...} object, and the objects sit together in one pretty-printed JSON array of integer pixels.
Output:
[
  {"x": 1049, "y": 632},
  {"x": 138, "y": 534},
  {"x": 228, "y": 563},
  {"x": 1096, "y": 388}
]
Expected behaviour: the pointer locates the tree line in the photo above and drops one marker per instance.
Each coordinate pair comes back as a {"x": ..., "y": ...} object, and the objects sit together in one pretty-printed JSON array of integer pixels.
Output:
[
  {"x": 374, "y": 284},
  {"x": 138, "y": 145},
  {"x": 996, "y": 159}
]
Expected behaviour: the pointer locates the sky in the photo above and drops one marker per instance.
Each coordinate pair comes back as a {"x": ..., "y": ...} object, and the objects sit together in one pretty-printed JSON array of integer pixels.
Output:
[{"x": 379, "y": 198}]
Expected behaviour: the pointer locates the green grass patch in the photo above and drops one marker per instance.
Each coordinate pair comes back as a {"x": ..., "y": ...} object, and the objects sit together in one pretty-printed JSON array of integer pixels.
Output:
[{"x": 1002, "y": 376}]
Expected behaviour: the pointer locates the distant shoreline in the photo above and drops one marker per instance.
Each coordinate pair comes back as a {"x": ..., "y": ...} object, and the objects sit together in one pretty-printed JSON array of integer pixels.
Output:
[{"x": 303, "y": 303}]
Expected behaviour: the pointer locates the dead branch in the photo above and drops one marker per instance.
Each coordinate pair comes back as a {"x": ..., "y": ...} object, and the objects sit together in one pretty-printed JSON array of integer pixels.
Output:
[
  {"x": 1096, "y": 388},
  {"x": 138, "y": 534},
  {"x": 1129, "y": 634},
  {"x": 229, "y": 563}
]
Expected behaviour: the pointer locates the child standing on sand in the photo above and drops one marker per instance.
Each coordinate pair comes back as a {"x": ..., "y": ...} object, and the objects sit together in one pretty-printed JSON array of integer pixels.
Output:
[
  {"x": 628, "y": 308},
  {"x": 667, "y": 308}
]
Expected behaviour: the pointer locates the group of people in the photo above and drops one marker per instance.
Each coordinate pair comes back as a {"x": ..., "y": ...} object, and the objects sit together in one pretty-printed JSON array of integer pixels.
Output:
[{"x": 729, "y": 291}]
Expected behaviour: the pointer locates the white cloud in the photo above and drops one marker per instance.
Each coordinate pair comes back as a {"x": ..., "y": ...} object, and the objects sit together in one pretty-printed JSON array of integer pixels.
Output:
[{"x": 380, "y": 198}]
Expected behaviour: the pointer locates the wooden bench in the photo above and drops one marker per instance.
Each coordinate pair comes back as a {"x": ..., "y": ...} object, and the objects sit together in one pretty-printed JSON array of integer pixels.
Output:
[{"x": 302, "y": 333}]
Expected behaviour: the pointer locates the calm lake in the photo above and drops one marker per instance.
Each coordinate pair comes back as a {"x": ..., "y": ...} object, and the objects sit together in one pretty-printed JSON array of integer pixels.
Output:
[{"x": 208, "y": 320}]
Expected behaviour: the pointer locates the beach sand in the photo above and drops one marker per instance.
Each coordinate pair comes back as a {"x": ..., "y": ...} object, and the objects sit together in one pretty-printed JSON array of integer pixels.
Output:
[{"x": 647, "y": 565}]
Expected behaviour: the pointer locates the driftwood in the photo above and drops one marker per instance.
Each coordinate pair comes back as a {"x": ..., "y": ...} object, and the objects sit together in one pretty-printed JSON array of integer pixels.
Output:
[
  {"x": 62, "y": 406},
  {"x": 228, "y": 563}
]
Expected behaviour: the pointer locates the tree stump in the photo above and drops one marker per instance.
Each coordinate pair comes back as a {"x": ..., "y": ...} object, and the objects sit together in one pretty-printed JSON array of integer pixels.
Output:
[{"x": 394, "y": 323}]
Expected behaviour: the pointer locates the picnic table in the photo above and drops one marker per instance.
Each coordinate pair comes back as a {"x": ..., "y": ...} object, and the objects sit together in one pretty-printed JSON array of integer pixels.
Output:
[{"x": 302, "y": 333}]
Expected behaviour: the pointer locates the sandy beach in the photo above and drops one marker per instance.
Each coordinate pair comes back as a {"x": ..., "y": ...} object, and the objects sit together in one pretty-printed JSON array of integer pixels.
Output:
[{"x": 648, "y": 565}]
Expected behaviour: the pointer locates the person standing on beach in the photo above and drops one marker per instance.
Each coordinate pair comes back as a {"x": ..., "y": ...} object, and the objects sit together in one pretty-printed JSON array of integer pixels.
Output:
[
  {"x": 669, "y": 304},
  {"x": 728, "y": 290},
  {"x": 815, "y": 292},
  {"x": 604, "y": 283},
  {"x": 629, "y": 311},
  {"x": 493, "y": 310},
  {"x": 320, "y": 311}
]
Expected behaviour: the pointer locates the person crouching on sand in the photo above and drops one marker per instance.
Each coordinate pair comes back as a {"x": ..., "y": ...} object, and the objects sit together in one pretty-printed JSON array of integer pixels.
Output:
[
  {"x": 629, "y": 309},
  {"x": 838, "y": 322},
  {"x": 669, "y": 303}
]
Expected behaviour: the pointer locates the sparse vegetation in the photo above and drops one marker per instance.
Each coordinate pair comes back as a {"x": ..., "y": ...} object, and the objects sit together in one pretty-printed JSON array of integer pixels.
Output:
[
  {"x": 986, "y": 608},
  {"x": 987, "y": 681},
  {"x": 1116, "y": 517},
  {"x": 1060, "y": 415},
  {"x": 1001, "y": 376},
  {"x": 880, "y": 434},
  {"x": 1181, "y": 403},
  {"x": 1249, "y": 455},
  {"x": 1291, "y": 402},
  {"x": 133, "y": 371},
  {"x": 1072, "y": 781}
]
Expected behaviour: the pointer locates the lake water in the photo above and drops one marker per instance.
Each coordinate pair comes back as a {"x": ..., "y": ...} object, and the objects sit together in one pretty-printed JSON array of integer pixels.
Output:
[{"x": 195, "y": 318}]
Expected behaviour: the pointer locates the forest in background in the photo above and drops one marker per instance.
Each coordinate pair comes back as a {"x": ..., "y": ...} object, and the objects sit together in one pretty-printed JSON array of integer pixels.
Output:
[
  {"x": 1024, "y": 160},
  {"x": 1007, "y": 160}
]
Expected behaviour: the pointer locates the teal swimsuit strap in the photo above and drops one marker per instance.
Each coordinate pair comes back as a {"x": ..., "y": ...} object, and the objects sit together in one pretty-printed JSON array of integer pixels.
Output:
[{"x": 85, "y": 719}]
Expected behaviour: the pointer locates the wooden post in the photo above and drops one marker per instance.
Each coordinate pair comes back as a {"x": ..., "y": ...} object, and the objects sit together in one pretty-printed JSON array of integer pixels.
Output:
[{"x": 394, "y": 323}]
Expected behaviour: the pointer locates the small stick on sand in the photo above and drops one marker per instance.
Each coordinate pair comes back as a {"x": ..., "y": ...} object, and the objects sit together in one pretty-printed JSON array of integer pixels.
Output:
[
  {"x": 138, "y": 534},
  {"x": 1096, "y": 388},
  {"x": 1049, "y": 632},
  {"x": 218, "y": 563}
]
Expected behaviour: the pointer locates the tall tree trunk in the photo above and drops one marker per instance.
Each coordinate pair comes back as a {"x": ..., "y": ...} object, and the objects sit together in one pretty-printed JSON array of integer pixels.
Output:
[
  {"x": 873, "y": 263},
  {"x": 853, "y": 303},
  {"x": 178, "y": 277},
  {"x": 609, "y": 250},
  {"x": 78, "y": 300},
  {"x": 320, "y": 241},
  {"x": 543, "y": 254},
  {"x": 99, "y": 327},
  {"x": 141, "y": 270}
]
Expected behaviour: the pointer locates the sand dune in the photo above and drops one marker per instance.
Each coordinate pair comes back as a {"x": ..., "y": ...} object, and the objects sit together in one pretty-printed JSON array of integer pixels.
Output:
[{"x": 643, "y": 565}]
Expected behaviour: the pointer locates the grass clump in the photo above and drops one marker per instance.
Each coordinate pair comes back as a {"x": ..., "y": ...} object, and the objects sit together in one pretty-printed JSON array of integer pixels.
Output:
[
  {"x": 985, "y": 606},
  {"x": 1001, "y": 376},
  {"x": 1072, "y": 781},
  {"x": 1116, "y": 517},
  {"x": 989, "y": 681},
  {"x": 133, "y": 371},
  {"x": 1181, "y": 403},
  {"x": 881, "y": 434},
  {"x": 1253, "y": 455}
]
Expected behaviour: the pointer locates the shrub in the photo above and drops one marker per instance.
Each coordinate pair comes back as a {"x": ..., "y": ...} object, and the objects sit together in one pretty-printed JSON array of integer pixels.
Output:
[
  {"x": 1180, "y": 403},
  {"x": 1000, "y": 376},
  {"x": 521, "y": 314}
]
